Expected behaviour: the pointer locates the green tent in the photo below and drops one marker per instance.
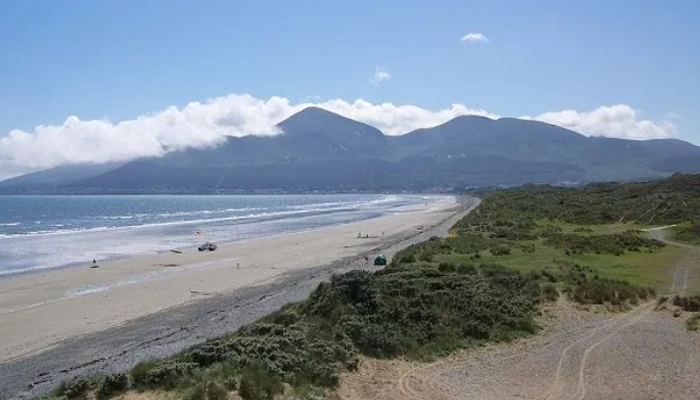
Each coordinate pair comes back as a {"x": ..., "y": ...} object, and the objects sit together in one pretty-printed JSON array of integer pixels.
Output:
[{"x": 380, "y": 260}]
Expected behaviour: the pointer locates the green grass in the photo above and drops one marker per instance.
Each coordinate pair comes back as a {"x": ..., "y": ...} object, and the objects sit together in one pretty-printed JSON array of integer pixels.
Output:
[
  {"x": 590, "y": 229},
  {"x": 686, "y": 233},
  {"x": 645, "y": 269}
]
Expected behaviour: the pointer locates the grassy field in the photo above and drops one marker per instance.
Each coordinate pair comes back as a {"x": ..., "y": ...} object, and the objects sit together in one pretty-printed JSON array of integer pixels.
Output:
[{"x": 646, "y": 269}]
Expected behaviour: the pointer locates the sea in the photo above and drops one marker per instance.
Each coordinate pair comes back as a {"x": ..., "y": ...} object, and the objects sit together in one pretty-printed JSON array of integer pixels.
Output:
[{"x": 46, "y": 232}]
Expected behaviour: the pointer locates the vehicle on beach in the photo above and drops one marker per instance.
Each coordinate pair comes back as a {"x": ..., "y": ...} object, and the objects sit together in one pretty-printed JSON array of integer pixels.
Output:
[{"x": 207, "y": 246}]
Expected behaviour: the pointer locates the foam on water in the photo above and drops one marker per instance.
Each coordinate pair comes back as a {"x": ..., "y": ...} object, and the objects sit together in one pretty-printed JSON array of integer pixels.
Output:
[{"x": 43, "y": 232}]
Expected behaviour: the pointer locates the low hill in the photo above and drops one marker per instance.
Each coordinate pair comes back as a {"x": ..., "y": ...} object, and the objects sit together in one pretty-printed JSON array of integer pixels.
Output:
[{"x": 56, "y": 177}]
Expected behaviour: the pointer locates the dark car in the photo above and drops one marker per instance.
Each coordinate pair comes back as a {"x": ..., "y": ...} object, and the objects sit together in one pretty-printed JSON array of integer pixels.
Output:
[{"x": 207, "y": 246}]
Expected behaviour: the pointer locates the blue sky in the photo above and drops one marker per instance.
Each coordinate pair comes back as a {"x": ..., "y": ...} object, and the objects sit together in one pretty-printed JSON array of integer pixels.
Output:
[{"x": 118, "y": 60}]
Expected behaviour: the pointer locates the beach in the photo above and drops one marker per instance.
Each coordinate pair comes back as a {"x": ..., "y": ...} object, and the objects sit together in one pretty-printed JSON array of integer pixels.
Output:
[{"x": 44, "y": 309}]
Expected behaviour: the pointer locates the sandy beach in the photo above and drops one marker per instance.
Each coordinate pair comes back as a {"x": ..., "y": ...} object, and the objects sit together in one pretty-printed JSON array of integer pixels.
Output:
[{"x": 37, "y": 311}]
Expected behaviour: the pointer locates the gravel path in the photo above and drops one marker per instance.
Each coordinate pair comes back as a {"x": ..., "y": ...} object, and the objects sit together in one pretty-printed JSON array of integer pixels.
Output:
[
  {"x": 634, "y": 356},
  {"x": 165, "y": 333},
  {"x": 686, "y": 275}
]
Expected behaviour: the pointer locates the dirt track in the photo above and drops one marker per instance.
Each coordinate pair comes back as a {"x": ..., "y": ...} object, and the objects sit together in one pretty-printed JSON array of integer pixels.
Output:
[
  {"x": 687, "y": 272},
  {"x": 643, "y": 354},
  {"x": 640, "y": 355}
]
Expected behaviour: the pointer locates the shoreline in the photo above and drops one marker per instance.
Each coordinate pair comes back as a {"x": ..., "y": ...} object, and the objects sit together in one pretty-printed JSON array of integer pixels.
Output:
[
  {"x": 9, "y": 274},
  {"x": 168, "y": 263},
  {"x": 44, "y": 308},
  {"x": 173, "y": 329}
]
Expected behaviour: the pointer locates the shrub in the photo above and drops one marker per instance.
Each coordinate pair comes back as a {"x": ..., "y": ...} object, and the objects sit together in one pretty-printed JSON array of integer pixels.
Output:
[
  {"x": 112, "y": 384},
  {"x": 139, "y": 372},
  {"x": 467, "y": 269},
  {"x": 693, "y": 323},
  {"x": 500, "y": 251},
  {"x": 165, "y": 374},
  {"x": 604, "y": 291},
  {"x": 216, "y": 391},
  {"x": 446, "y": 267},
  {"x": 689, "y": 303},
  {"x": 615, "y": 244},
  {"x": 549, "y": 292},
  {"x": 196, "y": 392},
  {"x": 529, "y": 248},
  {"x": 258, "y": 384},
  {"x": 407, "y": 259},
  {"x": 76, "y": 388}
]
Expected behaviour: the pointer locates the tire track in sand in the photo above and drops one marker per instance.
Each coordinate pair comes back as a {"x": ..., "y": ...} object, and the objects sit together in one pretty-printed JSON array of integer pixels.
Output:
[
  {"x": 422, "y": 383},
  {"x": 551, "y": 340},
  {"x": 581, "y": 385},
  {"x": 555, "y": 388}
]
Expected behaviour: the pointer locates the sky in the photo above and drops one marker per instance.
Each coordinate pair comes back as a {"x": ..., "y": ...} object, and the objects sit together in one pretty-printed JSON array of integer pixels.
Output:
[{"x": 85, "y": 81}]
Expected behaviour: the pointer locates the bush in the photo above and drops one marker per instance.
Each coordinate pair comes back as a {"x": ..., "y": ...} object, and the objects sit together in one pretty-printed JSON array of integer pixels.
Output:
[
  {"x": 216, "y": 391},
  {"x": 196, "y": 392},
  {"x": 467, "y": 269},
  {"x": 500, "y": 251},
  {"x": 76, "y": 388},
  {"x": 693, "y": 323},
  {"x": 549, "y": 292},
  {"x": 447, "y": 267},
  {"x": 604, "y": 291},
  {"x": 615, "y": 244},
  {"x": 112, "y": 384},
  {"x": 529, "y": 248},
  {"x": 407, "y": 259},
  {"x": 258, "y": 384},
  {"x": 139, "y": 372},
  {"x": 165, "y": 374},
  {"x": 689, "y": 303}
]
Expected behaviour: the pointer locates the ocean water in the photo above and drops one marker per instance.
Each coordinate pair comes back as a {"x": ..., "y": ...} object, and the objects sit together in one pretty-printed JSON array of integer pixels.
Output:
[{"x": 44, "y": 232}]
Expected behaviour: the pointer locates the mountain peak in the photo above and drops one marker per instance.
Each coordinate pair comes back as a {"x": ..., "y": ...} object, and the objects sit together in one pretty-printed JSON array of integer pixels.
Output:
[
  {"x": 312, "y": 116},
  {"x": 312, "y": 120}
]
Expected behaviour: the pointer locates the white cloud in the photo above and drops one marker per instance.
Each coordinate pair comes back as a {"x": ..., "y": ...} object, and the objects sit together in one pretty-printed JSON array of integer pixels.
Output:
[
  {"x": 380, "y": 75},
  {"x": 208, "y": 123},
  {"x": 620, "y": 121},
  {"x": 474, "y": 37},
  {"x": 397, "y": 119}
]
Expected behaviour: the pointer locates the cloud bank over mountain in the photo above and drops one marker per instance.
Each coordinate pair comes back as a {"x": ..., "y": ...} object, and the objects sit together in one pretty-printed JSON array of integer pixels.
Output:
[{"x": 206, "y": 124}]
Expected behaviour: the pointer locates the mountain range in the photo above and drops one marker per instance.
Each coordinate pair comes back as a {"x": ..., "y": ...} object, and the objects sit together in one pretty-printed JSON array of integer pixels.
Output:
[{"x": 320, "y": 150}]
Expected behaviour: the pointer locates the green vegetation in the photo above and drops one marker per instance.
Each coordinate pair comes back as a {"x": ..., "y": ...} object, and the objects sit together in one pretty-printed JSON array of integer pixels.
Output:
[
  {"x": 521, "y": 248},
  {"x": 688, "y": 303},
  {"x": 104, "y": 387},
  {"x": 419, "y": 311},
  {"x": 693, "y": 323},
  {"x": 663, "y": 202},
  {"x": 688, "y": 233}
]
